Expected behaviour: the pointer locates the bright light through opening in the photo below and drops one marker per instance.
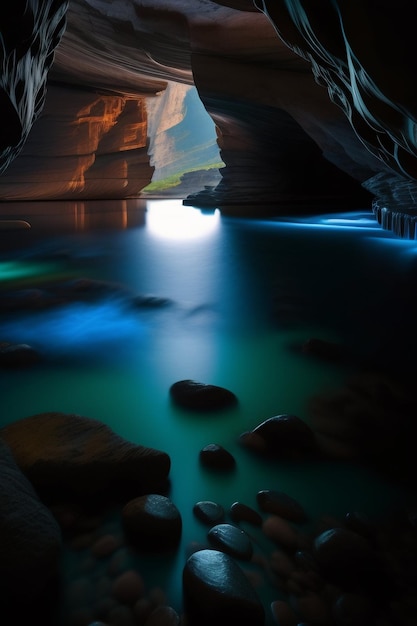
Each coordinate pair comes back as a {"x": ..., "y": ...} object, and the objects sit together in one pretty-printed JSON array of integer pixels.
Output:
[{"x": 170, "y": 219}]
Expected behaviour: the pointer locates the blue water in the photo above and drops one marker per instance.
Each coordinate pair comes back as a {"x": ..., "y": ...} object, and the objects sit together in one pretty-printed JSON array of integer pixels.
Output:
[{"x": 243, "y": 296}]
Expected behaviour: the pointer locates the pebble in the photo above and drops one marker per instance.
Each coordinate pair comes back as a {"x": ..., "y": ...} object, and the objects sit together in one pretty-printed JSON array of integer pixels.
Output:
[
  {"x": 163, "y": 616},
  {"x": 105, "y": 546},
  {"x": 214, "y": 456},
  {"x": 281, "y": 532},
  {"x": 208, "y": 512},
  {"x": 240, "y": 512},
  {"x": 279, "y": 503},
  {"x": 152, "y": 522},
  {"x": 283, "y": 614},
  {"x": 232, "y": 540},
  {"x": 216, "y": 591},
  {"x": 128, "y": 587}
]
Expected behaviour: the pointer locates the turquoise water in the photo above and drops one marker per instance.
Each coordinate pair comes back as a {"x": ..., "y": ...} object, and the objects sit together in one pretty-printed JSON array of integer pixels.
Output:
[{"x": 244, "y": 295}]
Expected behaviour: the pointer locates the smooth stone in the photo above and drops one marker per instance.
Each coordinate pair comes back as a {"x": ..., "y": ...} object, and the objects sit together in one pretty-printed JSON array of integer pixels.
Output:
[
  {"x": 282, "y": 564},
  {"x": 163, "y": 616},
  {"x": 216, "y": 457},
  {"x": 216, "y": 591},
  {"x": 208, "y": 512},
  {"x": 152, "y": 522},
  {"x": 346, "y": 558},
  {"x": 279, "y": 503},
  {"x": 230, "y": 539},
  {"x": 240, "y": 512},
  {"x": 312, "y": 608},
  {"x": 353, "y": 609},
  {"x": 282, "y": 435},
  {"x": 30, "y": 538},
  {"x": 105, "y": 546},
  {"x": 360, "y": 523},
  {"x": 281, "y": 532},
  {"x": 283, "y": 614},
  {"x": 62, "y": 452},
  {"x": 128, "y": 587},
  {"x": 197, "y": 396}
]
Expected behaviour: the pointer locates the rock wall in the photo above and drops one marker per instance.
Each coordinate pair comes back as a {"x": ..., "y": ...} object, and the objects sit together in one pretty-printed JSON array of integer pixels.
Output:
[{"x": 264, "y": 71}]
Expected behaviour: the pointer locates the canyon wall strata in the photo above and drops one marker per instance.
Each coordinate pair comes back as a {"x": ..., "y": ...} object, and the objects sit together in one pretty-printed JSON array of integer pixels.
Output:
[{"x": 313, "y": 102}]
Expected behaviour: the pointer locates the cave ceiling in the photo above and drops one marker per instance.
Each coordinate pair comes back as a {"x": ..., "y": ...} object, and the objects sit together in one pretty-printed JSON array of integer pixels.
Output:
[{"x": 312, "y": 103}]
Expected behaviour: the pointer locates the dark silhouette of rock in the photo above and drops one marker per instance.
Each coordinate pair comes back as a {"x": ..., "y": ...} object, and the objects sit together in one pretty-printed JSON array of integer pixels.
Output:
[
  {"x": 240, "y": 512},
  {"x": 280, "y": 436},
  {"x": 216, "y": 591},
  {"x": 232, "y": 540},
  {"x": 64, "y": 453},
  {"x": 30, "y": 538},
  {"x": 214, "y": 456},
  {"x": 197, "y": 396},
  {"x": 279, "y": 503},
  {"x": 208, "y": 512},
  {"x": 152, "y": 522},
  {"x": 17, "y": 355}
]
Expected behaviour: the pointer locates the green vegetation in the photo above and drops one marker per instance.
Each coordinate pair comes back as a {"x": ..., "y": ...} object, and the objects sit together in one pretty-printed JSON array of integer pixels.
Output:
[{"x": 175, "y": 179}]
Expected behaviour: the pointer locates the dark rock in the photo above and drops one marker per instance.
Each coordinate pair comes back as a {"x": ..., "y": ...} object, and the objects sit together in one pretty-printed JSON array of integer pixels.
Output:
[
  {"x": 17, "y": 355},
  {"x": 30, "y": 537},
  {"x": 281, "y": 504},
  {"x": 347, "y": 559},
  {"x": 240, "y": 512},
  {"x": 230, "y": 539},
  {"x": 62, "y": 453},
  {"x": 216, "y": 457},
  {"x": 360, "y": 523},
  {"x": 201, "y": 397},
  {"x": 208, "y": 512},
  {"x": 152, "y": 522},
  {"x": 163, "y": 616},
  {"x": 351, "y": 609},
  {"x": 216, "y": 591},
  {"x": 150, "y": 302},
  {"x": 281, "y": 436}
]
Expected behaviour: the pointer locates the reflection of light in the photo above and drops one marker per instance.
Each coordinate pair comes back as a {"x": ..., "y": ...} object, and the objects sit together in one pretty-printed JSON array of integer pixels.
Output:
[
  {"x": 76, "y": 328},
  {"x": 170, "y": 219},
  {"x": 12, "y": 270}
]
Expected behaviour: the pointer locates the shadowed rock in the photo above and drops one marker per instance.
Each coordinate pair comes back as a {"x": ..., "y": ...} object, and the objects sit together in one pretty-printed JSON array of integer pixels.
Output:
[
  {"x": 216, "y": 591},
  {"x": 30, "y": 538},
  {"x": 152, "y": 522},
  {"x": 62, "y": 452},
  {"x": 196, "y": 396}
]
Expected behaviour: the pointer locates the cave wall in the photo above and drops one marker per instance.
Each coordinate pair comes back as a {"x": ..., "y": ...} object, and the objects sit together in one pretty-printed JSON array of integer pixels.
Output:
[{"x": 309, "y": 108}]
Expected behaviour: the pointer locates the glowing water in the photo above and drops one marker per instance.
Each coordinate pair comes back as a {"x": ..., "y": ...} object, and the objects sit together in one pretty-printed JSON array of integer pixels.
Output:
[{"x": 243, "y": 295}]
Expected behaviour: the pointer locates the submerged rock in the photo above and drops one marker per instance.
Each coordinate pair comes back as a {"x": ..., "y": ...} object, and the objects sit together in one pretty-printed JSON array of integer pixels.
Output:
[
  {"x": 197, "y": 396},
  {"x": 62, "y": 453},
  {"x": 279, "y": 503},
  {"x": 216, "y": 591},
  {"x": 152, "y": 522}
]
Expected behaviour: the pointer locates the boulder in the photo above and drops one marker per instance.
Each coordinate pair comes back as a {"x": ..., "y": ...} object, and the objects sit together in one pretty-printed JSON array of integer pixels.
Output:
[
  {"x": 30, "y": 538},
  {"x": 64, "y": 453}
]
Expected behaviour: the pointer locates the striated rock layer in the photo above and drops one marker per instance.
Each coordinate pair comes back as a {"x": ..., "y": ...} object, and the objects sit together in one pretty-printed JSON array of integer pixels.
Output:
[{"x": 307, "y": 106}]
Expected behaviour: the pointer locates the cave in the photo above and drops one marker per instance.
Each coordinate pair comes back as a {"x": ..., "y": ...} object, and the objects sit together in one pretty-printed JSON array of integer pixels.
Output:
[{"x": 207, "y": 270}]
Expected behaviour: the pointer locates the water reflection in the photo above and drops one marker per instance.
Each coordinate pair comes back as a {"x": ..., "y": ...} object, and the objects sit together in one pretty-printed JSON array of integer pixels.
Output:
[{"x": 170, "y": 219}]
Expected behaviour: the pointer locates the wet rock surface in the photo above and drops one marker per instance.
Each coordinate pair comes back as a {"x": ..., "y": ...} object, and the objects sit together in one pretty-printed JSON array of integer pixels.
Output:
[
  {"x": 197, "y": 396},
  {"x": 153, "y": 522},
  {"x": 62, "y": 452},
  {"x": 217, "y": 591},
  {"x": 215, "y": 457},
  {"x": 232, "y": 540},
  {"x": 208, "y": 512}
]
